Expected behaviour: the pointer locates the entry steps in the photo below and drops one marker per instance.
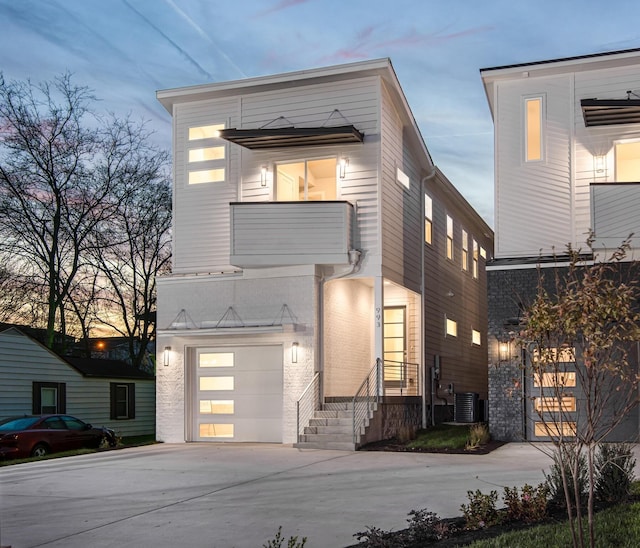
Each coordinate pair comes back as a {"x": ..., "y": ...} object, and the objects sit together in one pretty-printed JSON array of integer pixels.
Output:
[{"x": 332, "y": 427}]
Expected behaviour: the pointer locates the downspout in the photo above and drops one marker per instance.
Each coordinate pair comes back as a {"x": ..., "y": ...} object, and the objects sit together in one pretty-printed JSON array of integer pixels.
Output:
[{"x": 422, "y": 316}]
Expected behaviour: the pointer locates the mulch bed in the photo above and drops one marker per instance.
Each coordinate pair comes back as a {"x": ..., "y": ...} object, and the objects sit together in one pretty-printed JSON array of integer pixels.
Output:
[{"x": 395, "y": 445}]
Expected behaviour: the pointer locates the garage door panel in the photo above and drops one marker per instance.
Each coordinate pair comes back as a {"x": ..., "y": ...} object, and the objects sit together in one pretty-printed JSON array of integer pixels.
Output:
[{"x": 249, "y": 408}]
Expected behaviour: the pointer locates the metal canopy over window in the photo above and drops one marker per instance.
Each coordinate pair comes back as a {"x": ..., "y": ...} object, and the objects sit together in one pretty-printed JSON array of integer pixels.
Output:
[
  {"x": 265, "y": 138},
  {"x": 610, "y": 112}
]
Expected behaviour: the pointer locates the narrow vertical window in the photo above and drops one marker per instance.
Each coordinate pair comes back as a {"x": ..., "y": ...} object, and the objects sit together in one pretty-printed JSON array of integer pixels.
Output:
[
  {"x": 451, "y": 327},
  {"x": 533, "y": 129},
  {"x": 465, "y": 250},
  {"x": 475, "y": 259},
  {"x": 206, "y": 155},
  {"x": 449, "y": 238},
  {"x": 428, "y": 218}
]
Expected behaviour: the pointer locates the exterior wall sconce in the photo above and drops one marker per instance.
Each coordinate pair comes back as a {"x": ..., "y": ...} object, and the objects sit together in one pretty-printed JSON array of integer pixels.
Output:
[
  {"x": 263, "y": 175},
  {"x": 165, "y": 357},
  {"x": 294, "y": 352},
  {"x": 342, "y": 167},
  {"x": 503, "y": 349},
  {"x": 599, "y": 164}
]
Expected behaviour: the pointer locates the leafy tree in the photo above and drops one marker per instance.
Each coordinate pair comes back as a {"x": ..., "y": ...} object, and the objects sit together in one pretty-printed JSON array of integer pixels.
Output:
[{"x": 586, "y": 327}]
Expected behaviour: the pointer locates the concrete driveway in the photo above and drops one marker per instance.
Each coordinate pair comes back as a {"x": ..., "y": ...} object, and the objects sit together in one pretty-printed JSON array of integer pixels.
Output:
[{"x": 236, "y": 495}]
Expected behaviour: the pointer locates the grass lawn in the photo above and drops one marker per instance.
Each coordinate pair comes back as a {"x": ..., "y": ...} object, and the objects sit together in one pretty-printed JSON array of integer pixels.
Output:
[
  {"x": 131, "y": 441},
  {"x": 441, "y": 436},
  {"x": 618, "y": 526}
]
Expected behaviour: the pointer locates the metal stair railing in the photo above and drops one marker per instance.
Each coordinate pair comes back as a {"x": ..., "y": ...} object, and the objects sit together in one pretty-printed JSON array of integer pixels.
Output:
[
  {"x": 307, "y": 404},
  {"x": 400, "y": 378},
  {"x": 368, "y": 393}
]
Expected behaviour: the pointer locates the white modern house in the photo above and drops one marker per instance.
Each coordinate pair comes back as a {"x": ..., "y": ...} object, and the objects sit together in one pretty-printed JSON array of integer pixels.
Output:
[
  {"x": 567, "y": 162},
  {"x": 306, "y": 208}
]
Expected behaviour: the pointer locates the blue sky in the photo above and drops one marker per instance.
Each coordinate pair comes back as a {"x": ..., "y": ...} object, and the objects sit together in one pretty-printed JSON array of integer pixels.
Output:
[{"x": 125, "y": 50}]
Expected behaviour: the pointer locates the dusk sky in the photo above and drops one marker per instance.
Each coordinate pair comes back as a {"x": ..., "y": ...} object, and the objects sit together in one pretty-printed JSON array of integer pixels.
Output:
[{"x": 125, "y": 50}]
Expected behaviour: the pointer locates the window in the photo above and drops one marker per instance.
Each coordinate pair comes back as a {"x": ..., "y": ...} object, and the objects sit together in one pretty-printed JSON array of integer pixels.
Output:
[
  {"x": 216, "y": 383},
  {"x": 449, "y": 238},
  {"x": 565, "y": 379},
  {"x": 549, "y": 404},
  {"x": 216, "y": 407},
  {"x": 533, "y": 128},
  {"x": 48, "y": 397},
  {"x": 475, "y": 259},
  {"x": 215, "y": 359},
  {"x": 627, "y": 161},
  {"x": 123, "y": 405},
  {"x": 216, "y": 430},
  {"x": 476, "y": 338},
  {"x": 206, "y": 155},
  {"x": 428, "y": 218},
  {"x": 465, "y": 250},
  {"x": 451, "y": 327},
  {"x": 402, "y": 178},
  {"x": 555, "y": 429},
  {"x": 308, "y": 180}
]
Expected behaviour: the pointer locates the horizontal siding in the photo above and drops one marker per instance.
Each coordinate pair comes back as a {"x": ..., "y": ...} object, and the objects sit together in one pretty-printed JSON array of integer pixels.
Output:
[
  {"x": 23, "y": 361},
  {"x": 533, "y": 200},
  {"x": 616, "y": 213},
  {"x": 401, "y": 217},
  {"x": 263, "y": 234},
  {"x": 610, "y": 83}
]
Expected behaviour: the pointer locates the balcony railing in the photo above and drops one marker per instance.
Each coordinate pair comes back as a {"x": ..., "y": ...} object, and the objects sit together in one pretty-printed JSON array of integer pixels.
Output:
[
  {"x": 615, "y": 213},
  {"x": 291, "y": 233}
]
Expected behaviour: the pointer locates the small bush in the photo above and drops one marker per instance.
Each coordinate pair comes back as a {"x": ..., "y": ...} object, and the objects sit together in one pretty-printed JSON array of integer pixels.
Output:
[
  {"x": 529, "y": 506},
  {"x": 481, "y": 511},
  {"x": 478, "y": 435},
  {"x": 374, "y": 537},
  {"x": 277, "y": 541},
  {"x": 425, "y": 526},
  {"x": 614, "y": 464},
  {"x": 554, "y": 480}
]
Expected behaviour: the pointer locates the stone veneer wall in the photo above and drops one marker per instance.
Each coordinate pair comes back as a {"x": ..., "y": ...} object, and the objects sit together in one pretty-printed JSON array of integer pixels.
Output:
[{"x": 397, "y": 417}]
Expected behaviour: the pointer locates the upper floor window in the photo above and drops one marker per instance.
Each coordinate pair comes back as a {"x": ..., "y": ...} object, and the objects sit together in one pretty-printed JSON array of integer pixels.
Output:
[
  {"x": 206, "y": 155},
  {"x": 449, "y": 237},
  {"x": 627, "y": 161},
  {"x": 451, "y": 327},
  {"x": 308, "y": 180},
  {"x": 476, "y": 337},
  {"x": 533, "y": 121},
  {"x": 475, "y": 259},
  {"x": 465, "y": 250},
  {"x": 428, "y": 218},
  {"x": 403, "y": 178}
]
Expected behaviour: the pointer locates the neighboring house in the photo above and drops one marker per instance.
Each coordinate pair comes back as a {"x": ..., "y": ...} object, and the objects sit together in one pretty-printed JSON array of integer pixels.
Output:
[
  {"x": 567, "y": 162},
  {"x": 301, "y": 275},
  {"x": 34, "y": 380}
]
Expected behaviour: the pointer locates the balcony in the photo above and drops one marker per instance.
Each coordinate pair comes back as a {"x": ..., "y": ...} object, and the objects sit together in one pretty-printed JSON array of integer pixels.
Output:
[
  {"x": 291, "y": 233},
  {"x": 615, "y": 213}
]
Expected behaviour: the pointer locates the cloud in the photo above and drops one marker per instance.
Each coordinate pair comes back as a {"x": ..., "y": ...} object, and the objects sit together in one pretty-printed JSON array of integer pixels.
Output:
[{"x": 282, "y": 5}]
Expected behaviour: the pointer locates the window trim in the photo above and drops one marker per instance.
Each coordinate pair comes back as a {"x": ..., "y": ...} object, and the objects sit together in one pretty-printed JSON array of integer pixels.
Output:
[
  {"x": 541, "y": 121},
  {"x": 36, "y": 399},
  {"x": 203, "y": 166},
  {"x": 428, "y": 219},
  {"x": 131, "y": 400}
]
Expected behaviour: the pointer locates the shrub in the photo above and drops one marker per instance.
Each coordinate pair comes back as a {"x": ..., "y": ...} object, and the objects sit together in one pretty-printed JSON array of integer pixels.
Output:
[
  {"x": 481, "y": 511},
  {"x": 614, "y": 464},
  {"x": 425, "y": 526},
  {"x": 554, "y": 479},
  {"x": 529, "y": 506},
  {"x": 374, "y": 537},
  {"x": 277, "y": 541},
  {"x": 478, "y": 435}
]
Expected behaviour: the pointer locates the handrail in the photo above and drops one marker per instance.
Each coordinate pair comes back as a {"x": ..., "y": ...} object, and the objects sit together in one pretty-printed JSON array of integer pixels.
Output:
[
  {"x": 307, "y": 404},
  {"x": 401, "y": 378},
  {"x": 368, "y": 393}
]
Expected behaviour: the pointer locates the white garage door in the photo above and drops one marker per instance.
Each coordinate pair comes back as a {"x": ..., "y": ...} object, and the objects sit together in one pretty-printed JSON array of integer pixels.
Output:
[{"x": 238, "y": 394}]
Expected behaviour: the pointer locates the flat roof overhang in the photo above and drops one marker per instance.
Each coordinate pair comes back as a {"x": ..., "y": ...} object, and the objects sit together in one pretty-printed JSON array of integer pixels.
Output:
[
  {"x": 265, "y": 138},
  {"x": 610, "y": 112}
]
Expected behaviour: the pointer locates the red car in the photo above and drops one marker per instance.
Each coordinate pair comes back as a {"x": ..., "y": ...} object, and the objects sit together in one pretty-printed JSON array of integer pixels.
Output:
[{"x": 36, "y": 436}]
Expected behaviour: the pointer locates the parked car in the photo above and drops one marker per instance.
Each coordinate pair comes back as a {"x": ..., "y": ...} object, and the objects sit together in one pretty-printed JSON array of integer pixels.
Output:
[{"x": 36, "y": 436}]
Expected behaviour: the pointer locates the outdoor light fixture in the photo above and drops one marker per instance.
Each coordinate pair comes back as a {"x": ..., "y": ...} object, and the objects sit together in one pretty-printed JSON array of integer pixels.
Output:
[
  {"x": 263, "y": 176},
  {"x": 165, "y": 357},
  {"x": 294, "y": 352},
  {"x": 599, "y": 164},
  {"x": 342, "y": 166},
  {"x": 504, "y": 351}
]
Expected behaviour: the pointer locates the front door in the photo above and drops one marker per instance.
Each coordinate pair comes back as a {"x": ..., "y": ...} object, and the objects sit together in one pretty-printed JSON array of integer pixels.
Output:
[{"x": 395, "y": 347}]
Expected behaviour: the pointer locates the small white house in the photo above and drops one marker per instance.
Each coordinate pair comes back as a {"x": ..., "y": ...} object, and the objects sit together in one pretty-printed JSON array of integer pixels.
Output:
[
  {"x": 34, "y": 380},
  {"x": 317, "y": 252}
]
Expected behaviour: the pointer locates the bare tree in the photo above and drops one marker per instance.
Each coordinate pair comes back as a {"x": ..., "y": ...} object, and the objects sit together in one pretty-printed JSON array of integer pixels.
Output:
[
  {"x": 134, "y": 246},
  {"x": 579, "y": 339},
  {"x": 57, "y": 184}
]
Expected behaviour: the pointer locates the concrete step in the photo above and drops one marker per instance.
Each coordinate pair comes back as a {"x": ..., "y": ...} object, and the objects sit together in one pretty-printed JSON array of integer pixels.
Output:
[
  {"x": 336, "y": 446},
  {"x": 331, "y": 422},
  {"x": 319, "y": 438},
  {"x": 329, "y": 429}
]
